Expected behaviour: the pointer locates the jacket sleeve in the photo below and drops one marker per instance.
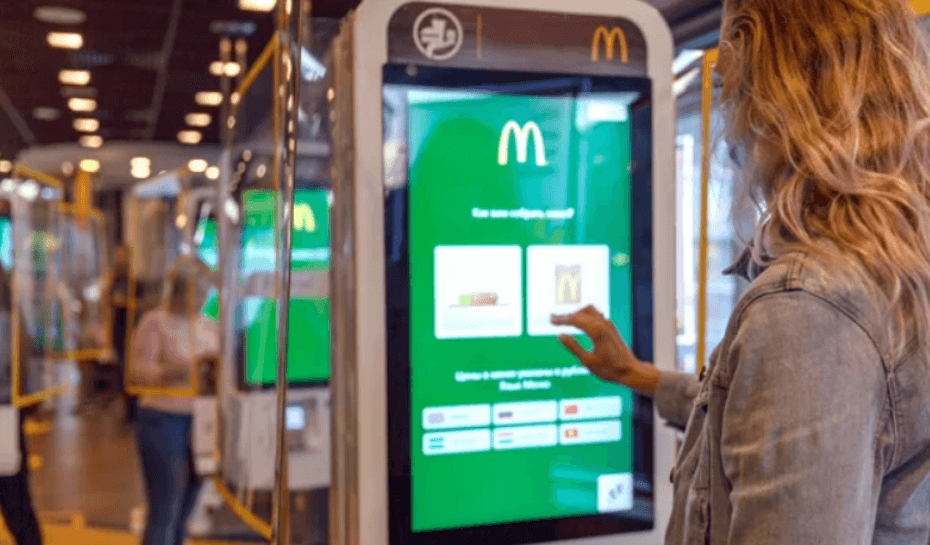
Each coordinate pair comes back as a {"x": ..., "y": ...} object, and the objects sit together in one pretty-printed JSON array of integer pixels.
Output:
[
  {"x": 675, "y": 397},
  {"x": 804, "y": 394}
]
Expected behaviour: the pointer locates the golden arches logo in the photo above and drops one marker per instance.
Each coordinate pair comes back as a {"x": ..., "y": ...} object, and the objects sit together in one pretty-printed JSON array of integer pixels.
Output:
[
  {"x": 568, "y": 285},
  {"x": 609, "y": 37},
  {"x": 304, "y": 219},
  {"x": 522, "y": 137}
]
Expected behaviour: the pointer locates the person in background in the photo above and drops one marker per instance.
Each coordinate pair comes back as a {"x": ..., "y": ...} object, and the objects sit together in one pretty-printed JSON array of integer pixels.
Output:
[
  {"x": 15, "y": 497},
  {"x": 167, "y": 346},
  {"x": 120, "y": 299},
  {"x": 810, "y": 424}
]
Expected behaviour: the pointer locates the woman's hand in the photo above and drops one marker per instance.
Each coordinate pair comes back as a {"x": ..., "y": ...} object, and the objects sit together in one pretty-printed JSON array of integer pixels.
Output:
[{"x": 610, "y": 359}]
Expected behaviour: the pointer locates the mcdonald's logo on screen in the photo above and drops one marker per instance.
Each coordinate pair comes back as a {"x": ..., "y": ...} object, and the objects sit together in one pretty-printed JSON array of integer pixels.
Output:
[
  {"x": 304, "y": 219},
  {"x": 522, "y": 137},
  {"x": 610, "y": 38},
  {"x": 568, "y": 284}
]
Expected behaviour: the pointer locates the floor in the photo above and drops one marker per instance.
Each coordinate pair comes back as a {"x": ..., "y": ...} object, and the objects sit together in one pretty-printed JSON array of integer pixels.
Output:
[{"x": 88, "y": 487}]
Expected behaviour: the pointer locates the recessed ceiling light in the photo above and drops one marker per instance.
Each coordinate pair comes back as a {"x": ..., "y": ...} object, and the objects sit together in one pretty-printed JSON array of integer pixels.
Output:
[
  {"x": 92, "y": 141},
  {"x": 65, "y": 40},
  {"x": 74, "y": 77},
  {"x": 59, "y": 15},
  {"x": 140, "y": 162},
  {"x": 90, "y": 165},
  {"x": 229, "y": 69},
  {"x": 197, "y": 119},
  {"x": 86, "y": 124},
  {"x": 213, "y": 173},
  {"x": 257, "y": 5},
  {"x": 43, "y": 113},
  {"x": 82, "y": 104},
  {"x": 209, "y": 98},
  {"x": 5, "y": 166},
  {"x": 197, "y": 165},
  {"x": 190, "y": 137}
]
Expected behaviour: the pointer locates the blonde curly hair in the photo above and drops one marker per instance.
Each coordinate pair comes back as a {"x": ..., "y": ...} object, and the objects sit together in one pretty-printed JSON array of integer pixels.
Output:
[{"x": 830, "y": 101}]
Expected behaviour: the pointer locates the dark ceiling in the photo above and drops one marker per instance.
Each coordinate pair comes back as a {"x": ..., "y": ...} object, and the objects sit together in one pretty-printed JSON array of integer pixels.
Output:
[
  {"x": 127, "y": 44},
  {"x": 148, "y": 58}
]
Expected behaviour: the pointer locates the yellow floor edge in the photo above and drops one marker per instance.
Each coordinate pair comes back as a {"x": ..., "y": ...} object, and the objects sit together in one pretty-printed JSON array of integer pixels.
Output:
[{"x": 76, "y": 533}]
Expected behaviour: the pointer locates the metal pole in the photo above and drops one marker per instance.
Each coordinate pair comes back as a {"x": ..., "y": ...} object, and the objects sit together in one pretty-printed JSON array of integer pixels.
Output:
[
  {"x": 286, "y": 99},
  {"x": 224, "y": 245}
]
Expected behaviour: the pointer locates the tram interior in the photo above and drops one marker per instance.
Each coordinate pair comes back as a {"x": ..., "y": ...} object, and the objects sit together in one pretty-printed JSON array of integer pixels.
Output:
[{"x": 94, "y": 222}]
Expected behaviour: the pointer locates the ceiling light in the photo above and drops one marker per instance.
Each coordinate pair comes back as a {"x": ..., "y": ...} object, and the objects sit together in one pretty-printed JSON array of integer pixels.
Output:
[
  {"x": 189, "y": 137},
  {"x": 213, "y": 173},
  {"x": 90, "y": 165},
  {"x": 29, "y": 190},
  {"x": 197, "y": 119},
  {"x": 140, "y": 162},
  {"x": 197, "y": 165},
  {"x": 67, "y": 168},
  {"x": 257, "y": 5},
  {"x": 77, "y": 104},
  {"x": 209, "y": 98},
  {"x": 8, "y": 185},
  {"x": 6, "y": 166},
  {"x": 65, "y": 40},
  {"x": 91, "y": 141},
  {"x": 86, "y": 124},
  {"x": 46, "y": 114},
  {"x": 59, "y": 15},
  {"x": 228, "y": 69},
  {"x": 260, "y": 171},
  {"x": 74, "y": 77}
]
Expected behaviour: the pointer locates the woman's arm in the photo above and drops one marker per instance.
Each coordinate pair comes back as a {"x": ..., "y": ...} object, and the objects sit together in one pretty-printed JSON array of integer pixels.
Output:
[
  {"x": 612, "y": 360},
  {"x": 799, "y": 426}
]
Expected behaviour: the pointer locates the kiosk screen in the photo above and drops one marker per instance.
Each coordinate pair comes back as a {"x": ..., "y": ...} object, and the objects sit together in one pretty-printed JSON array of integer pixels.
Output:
[
  {"x": 525, "y": 195},
  {"x": 309, "y": 343}
]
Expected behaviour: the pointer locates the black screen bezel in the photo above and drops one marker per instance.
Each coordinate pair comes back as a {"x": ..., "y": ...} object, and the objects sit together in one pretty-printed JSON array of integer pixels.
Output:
[{"x": 398, "y": 325}]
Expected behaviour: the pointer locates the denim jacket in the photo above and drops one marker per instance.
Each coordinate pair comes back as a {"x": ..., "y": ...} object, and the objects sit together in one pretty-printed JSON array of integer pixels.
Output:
[{"x": 803, "y": 428}]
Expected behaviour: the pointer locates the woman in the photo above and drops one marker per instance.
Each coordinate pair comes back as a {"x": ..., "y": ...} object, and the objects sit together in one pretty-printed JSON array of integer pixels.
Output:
[
  {"x": 168, "y": 344},
  {"x": 811, "y": 422}
]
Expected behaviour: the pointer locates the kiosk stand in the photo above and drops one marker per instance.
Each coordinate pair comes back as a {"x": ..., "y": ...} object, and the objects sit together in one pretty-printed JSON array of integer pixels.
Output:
[{"x": 496, "y": 163}]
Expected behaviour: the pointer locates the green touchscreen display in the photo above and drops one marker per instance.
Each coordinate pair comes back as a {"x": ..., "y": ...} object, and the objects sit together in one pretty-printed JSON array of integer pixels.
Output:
[
  {"x": 309, "y": 344},
  {"x": 519, "y": 207}
]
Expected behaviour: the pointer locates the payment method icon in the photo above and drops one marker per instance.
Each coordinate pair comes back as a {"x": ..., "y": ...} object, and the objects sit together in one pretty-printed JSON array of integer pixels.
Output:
[
  {"x": 571, "y": 433},
  {"x": 505, "y": 438},
  {"x": 505, "y": 415},
  {"x": 436, "y": 443},
  {"x": 436, "y": 418},
  {"x": 571, "y": 409}
]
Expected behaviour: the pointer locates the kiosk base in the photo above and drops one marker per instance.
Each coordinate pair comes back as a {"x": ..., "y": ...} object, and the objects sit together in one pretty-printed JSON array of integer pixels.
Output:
[{"x": 251, "y": 418}]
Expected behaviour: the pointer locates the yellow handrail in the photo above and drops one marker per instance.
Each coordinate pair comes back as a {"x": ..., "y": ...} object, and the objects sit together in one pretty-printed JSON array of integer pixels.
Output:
[
  {"x": 29, "y": 172},
  {"x": 257, "y": 68},
  {"x": 244, "y": 513},
  {"x": 921, "y": 7},
  {"x": 710, "y": 58}
]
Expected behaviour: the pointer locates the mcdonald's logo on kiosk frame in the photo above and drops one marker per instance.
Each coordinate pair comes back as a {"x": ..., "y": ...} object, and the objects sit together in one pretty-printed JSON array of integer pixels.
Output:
[{"x": 610, "y": 38}]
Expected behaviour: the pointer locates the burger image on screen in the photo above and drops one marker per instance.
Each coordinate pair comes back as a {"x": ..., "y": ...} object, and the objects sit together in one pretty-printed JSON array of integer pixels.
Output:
[{"x": 479, "y": 299}]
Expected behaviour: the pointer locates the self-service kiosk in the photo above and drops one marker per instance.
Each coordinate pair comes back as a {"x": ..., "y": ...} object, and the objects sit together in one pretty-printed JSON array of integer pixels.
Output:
[
  {"x": 496, "y": 163},
  {"x": 30, "y": 308}
]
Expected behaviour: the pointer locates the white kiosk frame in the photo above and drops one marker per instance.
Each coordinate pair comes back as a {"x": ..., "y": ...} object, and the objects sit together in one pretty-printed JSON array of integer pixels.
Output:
[{"x": 360, "y": 441}]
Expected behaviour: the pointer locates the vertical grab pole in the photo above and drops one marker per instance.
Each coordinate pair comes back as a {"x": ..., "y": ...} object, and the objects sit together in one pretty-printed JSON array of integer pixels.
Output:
[
  {"x": 286, "y": 107},
  {"x": 710, "y": 57},
  {"x": 224, "y": 282}
]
